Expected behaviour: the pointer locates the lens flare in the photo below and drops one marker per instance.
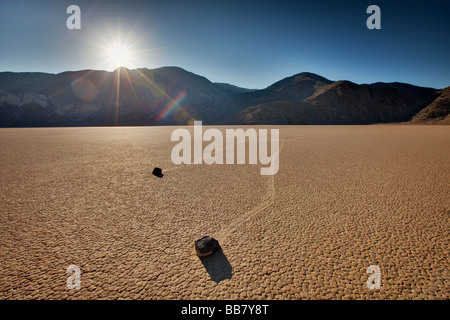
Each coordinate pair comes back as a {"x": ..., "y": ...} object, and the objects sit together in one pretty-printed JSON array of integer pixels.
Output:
[{"x": 172, "y": 105}]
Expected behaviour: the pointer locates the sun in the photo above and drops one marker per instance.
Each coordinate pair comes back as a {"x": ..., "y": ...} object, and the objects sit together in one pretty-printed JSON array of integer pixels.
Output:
[
  {"x": 115, "y": 47},
  {"x": 119, "y": 54}
]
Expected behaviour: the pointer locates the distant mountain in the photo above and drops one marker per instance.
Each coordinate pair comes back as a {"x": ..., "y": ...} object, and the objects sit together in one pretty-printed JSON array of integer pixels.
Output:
[
  {"x": 233, "y": 88},
  {"x": 341, "y": 102},
  {"x": 437, "y": 112},
  {"x": 174, "y": 96},
  {"x": 11, "y": 80},
  {"x": 161, "y": 96}
]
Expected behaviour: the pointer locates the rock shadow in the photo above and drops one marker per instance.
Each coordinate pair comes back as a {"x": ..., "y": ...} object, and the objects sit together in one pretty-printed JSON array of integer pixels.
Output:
[{"x": 218, "y": 266}]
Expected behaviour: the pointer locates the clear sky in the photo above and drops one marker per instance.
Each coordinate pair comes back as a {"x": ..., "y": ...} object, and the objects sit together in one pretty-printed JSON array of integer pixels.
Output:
[{"x": 246, "y": 43}]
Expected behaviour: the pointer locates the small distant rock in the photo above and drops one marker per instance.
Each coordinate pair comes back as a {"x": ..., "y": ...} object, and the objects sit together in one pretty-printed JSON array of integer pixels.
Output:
[
  {"x": 157, "y": 172},
  {"x": 206, "y": 246}
]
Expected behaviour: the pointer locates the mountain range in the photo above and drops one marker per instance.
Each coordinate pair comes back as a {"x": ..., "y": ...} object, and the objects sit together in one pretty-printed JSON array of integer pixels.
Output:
[{"x": 174, "y": 96}]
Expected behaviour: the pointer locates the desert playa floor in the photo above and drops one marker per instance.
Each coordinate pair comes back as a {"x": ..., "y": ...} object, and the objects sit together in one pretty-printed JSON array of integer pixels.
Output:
[{"x": 345, "y": 198}]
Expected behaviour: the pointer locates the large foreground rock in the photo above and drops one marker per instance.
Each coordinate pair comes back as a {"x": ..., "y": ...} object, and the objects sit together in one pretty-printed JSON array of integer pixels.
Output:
[{"x": 206, "y": 246}]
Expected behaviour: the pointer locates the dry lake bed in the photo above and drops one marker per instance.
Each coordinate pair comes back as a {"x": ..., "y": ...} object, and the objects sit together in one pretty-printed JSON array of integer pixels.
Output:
[{"x": 344, "y": 198}]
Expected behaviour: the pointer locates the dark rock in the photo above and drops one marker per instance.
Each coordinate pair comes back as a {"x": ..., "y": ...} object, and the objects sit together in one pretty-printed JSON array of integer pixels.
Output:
[
  {"x": 157, "y": 172},
  {"x": 206, "y": 246}
]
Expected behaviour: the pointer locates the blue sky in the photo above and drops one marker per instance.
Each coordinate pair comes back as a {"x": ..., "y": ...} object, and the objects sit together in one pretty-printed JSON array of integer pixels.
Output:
[{"x": 246, "y": 43}]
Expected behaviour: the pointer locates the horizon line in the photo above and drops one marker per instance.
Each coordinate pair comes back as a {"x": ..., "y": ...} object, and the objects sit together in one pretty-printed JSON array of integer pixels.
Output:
[{"x": 173, "y": 66}]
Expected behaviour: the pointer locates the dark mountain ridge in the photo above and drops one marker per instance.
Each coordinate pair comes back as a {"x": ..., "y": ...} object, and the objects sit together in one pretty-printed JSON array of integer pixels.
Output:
[{"x": 174, "y": 96}]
